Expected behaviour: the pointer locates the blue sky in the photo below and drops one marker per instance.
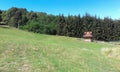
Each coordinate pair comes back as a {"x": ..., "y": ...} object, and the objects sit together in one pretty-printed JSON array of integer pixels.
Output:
[{"x": 102, "y": 8}]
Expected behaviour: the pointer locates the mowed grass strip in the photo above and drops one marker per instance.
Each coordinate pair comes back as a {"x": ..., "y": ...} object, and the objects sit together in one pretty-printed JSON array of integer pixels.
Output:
[{"x": 22, "y": 51}]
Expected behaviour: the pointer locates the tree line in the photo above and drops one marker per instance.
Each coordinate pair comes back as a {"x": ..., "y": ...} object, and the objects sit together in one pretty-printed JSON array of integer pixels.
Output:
[{"x": 105, "y": 29}]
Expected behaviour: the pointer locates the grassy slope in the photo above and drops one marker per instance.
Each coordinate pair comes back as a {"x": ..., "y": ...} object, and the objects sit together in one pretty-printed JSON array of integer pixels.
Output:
[{"x": 22, "y": 51}]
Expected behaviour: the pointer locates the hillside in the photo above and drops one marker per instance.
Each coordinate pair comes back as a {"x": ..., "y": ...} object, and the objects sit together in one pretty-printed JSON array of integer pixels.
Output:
[
  {"x": 104, "y": 29},
  {"x": 22, "y": 51}
]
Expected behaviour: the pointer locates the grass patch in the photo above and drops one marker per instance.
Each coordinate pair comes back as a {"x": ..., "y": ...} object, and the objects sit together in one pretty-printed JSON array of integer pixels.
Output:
[{"x": 22, "y": 51}]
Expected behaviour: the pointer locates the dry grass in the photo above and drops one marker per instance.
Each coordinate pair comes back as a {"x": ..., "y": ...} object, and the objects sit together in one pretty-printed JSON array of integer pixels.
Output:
[{"x": 112, "y": 52}]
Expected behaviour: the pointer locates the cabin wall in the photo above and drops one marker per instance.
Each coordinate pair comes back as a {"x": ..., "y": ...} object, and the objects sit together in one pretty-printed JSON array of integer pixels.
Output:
[{"x": 88, "y": 39}]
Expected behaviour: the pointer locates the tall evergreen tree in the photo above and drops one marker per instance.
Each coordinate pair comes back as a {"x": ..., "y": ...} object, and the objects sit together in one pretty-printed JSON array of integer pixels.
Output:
[{"x": 0, "y": 15}]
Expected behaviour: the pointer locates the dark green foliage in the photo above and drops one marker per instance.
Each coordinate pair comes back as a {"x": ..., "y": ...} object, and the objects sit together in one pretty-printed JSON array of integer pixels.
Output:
[
  {"x": 61, "y": 25},
  {"x": 105, "y": 29},
  {"x": 16, "y": 16},
  {"x": 0, "y": 15}
]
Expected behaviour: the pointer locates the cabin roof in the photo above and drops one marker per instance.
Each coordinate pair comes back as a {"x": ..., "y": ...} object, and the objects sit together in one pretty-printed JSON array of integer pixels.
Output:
[{"x": 87, "y": 34}]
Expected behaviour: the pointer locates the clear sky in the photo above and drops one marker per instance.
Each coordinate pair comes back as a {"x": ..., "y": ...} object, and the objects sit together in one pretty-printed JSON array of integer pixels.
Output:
[{"x": 102, "y": 8}]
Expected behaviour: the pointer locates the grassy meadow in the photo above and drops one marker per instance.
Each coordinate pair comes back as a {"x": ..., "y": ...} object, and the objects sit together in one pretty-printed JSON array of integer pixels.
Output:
[{"x": 22, "y": 51}]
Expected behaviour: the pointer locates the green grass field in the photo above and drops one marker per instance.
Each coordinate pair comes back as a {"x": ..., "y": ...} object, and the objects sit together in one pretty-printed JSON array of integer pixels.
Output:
[{"x": 22, "y": 51}]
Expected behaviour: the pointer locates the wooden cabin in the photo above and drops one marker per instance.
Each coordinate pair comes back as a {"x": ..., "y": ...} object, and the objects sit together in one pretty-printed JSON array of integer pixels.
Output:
[
  {"x": 88, "y": 36},
  {"x": 3, "y": 25}
]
